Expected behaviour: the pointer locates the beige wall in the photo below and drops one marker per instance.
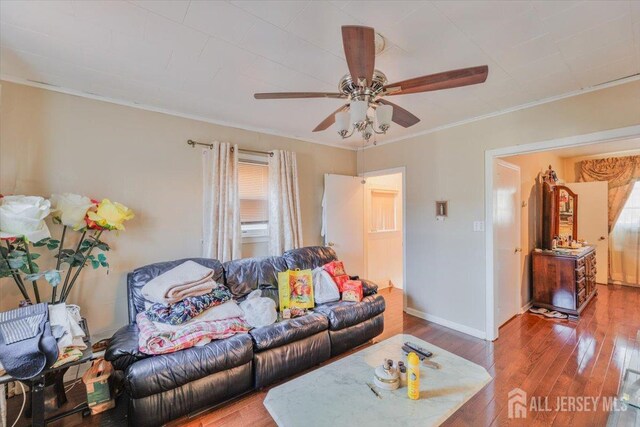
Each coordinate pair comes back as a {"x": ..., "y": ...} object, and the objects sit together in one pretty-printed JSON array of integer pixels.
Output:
[
  {"x": 52, "y": 143},
  {"x": 445, "y": 276},
  {"x": 531, "y": 167}
]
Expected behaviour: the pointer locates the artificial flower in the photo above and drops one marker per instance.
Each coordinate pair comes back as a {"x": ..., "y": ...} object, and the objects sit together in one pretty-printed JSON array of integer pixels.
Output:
[
  {"x": 70, "y": 209},
  {"x": 23, "y": 217},
  {"x": 109, "y": 216}
]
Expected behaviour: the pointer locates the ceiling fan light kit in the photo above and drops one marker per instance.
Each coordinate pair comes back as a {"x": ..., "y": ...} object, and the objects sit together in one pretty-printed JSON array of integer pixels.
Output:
[{"x": 365, "y": 87}]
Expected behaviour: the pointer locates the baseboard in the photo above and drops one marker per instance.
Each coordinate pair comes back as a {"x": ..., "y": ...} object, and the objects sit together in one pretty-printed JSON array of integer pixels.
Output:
[
  {"x": 526, "y": 307},
  {"x": 447, "y": 323}
]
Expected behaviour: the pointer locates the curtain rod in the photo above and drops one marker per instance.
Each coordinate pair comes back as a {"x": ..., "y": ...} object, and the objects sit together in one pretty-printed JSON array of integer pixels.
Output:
[{"x": 193, "y": 144}]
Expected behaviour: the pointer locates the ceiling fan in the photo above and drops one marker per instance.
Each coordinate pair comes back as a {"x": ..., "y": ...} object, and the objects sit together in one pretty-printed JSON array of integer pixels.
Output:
[{"x": 365, "y": 87}]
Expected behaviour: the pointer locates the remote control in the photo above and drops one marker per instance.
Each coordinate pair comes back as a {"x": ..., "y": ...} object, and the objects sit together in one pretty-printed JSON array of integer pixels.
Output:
[
  {"x": 418, "y": 349},
  {"x": 408, "y": 350},
  {"x": 422, "y": 358}
]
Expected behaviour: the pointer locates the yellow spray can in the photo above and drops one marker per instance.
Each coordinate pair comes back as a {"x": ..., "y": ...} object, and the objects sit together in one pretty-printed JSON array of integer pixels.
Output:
[{"x": 413, "y": 376}]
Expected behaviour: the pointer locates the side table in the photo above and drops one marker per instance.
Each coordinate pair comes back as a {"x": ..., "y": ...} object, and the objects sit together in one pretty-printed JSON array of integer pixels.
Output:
[{"x": 36, "y": 391}]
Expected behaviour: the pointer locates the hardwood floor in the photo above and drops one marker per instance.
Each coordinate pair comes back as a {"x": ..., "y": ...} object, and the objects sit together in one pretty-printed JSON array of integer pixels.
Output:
[{"x": 543, "y": 357}]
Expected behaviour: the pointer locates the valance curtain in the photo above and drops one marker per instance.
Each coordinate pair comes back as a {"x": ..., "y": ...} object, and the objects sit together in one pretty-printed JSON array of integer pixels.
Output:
[
  {"x": 619, "y": 172},
  {"x": 221, "y": 203},
  {"x": 285, "y": 225}
]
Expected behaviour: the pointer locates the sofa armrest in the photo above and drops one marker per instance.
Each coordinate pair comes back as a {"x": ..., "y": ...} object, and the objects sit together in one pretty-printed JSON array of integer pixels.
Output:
[
  {"x": 343, "y": 314},
  {"x": 368, "y": 287},
  {"x": 123, "y": 349}
]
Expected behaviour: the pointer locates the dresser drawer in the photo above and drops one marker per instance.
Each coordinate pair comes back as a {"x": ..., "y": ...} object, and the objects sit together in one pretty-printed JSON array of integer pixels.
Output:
[
  {"x": 580, "y": 262},
  {"x": 580, "y": 284},
  {"x": 580, "y": 272},
  {"x": 582, "y": 296}
]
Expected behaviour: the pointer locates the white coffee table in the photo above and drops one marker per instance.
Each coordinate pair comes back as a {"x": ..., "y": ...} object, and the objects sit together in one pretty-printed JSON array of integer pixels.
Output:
[{"x": 337, "y": 394}]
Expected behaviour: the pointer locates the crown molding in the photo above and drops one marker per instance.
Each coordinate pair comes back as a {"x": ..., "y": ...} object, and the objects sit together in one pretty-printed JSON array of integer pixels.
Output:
[
  {"x": 117, "y": 101},
  {"x": 275, "y": 132},
  {"x": 595, "y": 88}
]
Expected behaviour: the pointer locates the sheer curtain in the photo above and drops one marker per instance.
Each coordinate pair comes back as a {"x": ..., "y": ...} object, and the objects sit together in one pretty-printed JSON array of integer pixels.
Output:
[
  {"x": 285, "y": 225},
  {"x": 624, "y": 244},
  {"x": 221, "y": 203}
]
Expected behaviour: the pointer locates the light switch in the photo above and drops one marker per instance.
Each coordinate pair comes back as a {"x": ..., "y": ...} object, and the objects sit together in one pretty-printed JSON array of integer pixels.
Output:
[{"x": 478, "y": 225}]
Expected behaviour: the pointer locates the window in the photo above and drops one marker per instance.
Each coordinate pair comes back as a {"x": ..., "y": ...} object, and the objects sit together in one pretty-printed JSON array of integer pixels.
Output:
[
  {"x": 254, "y": 202},
  {"x": 630, "y": 215},
  {"x": 383, "y": 211}
]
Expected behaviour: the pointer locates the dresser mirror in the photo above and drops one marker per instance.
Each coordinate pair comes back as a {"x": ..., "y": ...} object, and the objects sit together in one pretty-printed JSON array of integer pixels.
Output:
[
  {"x": 567, "y": 221},
  {"x": 560, "y": 214}
]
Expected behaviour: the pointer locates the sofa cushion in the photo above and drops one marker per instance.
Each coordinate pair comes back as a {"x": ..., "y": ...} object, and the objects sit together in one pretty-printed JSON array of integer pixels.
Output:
[
  {"x": 160, "y": 408},
  {"x": 309, "y": 258},
  {"x": 353, "y": 336},
  {"x": 288, "y": 331},
  {"x": 287, "y": 360},
  {"x": 342, "y": 314},
  {"x": 140, "y": 276},
  {"x": 167, "y": 371},
  {"x": 247, "y": 274}
]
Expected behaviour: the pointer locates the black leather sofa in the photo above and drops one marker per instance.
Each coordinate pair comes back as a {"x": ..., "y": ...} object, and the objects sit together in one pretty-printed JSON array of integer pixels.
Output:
[{"x": 165, "y": 387}]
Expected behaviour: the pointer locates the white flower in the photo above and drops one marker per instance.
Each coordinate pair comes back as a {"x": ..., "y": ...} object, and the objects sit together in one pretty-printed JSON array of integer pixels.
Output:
[
  {"x": 70, "y": 209},
  {"x": 23, "y": 216}
]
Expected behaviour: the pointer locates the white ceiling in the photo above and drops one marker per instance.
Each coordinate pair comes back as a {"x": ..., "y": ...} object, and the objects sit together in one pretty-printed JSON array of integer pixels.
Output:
[{"x": 207, "y": 58}]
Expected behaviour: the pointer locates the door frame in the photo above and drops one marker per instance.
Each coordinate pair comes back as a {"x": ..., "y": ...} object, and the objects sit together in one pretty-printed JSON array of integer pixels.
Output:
[
  {"x": 518, "y": 214},
  {"x": 403, "y": 171},
  {"x": 489, "y": 157}
]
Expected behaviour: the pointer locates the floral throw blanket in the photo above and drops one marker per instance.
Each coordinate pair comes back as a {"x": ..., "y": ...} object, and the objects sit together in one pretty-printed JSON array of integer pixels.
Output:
[
  {"x": 188, "y": 308},
  {"x": 154, "y": 341}
]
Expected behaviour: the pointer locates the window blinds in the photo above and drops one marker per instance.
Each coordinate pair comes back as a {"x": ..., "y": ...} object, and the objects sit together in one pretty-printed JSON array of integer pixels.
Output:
[{"x": 253, "y": 185}]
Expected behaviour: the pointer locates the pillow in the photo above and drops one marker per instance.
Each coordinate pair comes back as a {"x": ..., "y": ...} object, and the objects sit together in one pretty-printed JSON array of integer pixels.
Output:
[
  {"x": 352, "y": 291},
  {"x": 324, "y": 288},
  {"x": 336, "y": 270}
]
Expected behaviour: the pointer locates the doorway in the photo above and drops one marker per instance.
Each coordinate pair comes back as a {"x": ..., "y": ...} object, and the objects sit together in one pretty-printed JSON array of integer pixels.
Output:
[
  {"x": 363, "y": 220},
  {"x": 383, "y": 236},
  {"x": 629, "y": 134}
]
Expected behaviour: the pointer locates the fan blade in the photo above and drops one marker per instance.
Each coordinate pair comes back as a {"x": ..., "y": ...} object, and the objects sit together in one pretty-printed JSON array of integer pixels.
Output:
[
  {"x": 445, "y": 80},
  {"x": 286, "y": 95},
  {"x": 330, "y": 119},
  {"x": 400, "y": 115},
  {"x": 360, "y": 51}
]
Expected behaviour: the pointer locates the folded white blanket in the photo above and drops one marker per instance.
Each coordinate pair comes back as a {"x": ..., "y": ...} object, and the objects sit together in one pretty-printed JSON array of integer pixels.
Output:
[
  {"x": 66, "y": 318},
  {"x": 227, "y": 310},
  {"x": 189, "y": 279}
]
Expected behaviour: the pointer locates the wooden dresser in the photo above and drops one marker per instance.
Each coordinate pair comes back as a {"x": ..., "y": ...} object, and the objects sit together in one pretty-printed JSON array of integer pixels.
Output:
[{"x": 564, "y": 282}]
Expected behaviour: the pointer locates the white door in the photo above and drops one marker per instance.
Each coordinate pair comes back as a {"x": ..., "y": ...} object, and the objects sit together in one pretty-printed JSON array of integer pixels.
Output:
[
  {"x": 593, "y": 222},
  {"x": 506, "y": 240},
  {"x": 344, "y": 220}
]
